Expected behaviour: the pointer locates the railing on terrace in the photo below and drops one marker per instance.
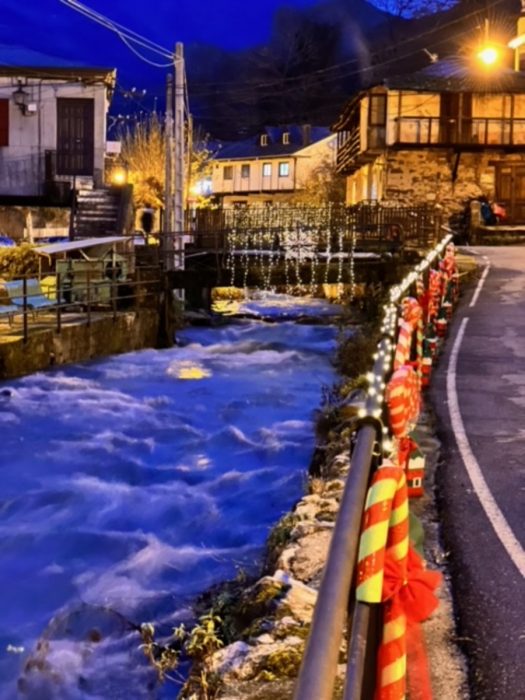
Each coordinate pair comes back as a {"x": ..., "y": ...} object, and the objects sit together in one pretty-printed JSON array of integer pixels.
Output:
[
  {"x": 335, "y": 607},
  {"x": 475, "y": 131},
  {"x": 33, "y": 303}
]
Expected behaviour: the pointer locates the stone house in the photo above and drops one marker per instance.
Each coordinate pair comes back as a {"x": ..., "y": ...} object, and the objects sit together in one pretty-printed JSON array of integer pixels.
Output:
[
  {"x": 443, "y": 135},
  {"x": 271, "y": 167},
  {"x": 52, "y": 128}
]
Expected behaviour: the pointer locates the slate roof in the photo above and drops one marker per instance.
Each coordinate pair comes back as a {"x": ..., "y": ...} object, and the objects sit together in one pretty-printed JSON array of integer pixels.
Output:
[
  {"x": 455, "y": 75},
  {"x": 251, "y": 148},
  {"x": 20, "y": 62}
]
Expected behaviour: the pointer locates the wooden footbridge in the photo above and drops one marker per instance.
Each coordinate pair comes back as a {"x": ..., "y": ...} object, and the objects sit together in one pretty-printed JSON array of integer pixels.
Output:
[{"x": 272, "y": 247}]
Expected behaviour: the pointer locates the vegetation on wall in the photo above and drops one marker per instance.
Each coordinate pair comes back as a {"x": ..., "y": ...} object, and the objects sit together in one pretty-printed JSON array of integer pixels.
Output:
[{"x": 18, "y": 261}]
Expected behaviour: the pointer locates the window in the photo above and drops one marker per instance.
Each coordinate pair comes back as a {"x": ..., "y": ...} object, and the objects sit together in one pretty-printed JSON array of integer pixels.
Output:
[
  {"x": 377, "y": 114},
  {"x": 227, "y": 172},
  {"x": 284, "y": 169},
  {"x": 4, "y": 122},
  {"x": 267, "y": 169},
  {"x": 286, "y": 138},
  {"x": 264, "y": 139},
  {"x": 245, "y": 170}
]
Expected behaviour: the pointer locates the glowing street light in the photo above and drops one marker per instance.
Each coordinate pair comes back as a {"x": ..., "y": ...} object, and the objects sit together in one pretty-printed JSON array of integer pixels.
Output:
[{"x": 489, "y": 56}]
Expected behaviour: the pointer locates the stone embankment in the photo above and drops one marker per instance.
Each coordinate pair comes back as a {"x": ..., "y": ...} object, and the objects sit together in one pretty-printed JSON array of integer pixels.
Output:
[
  {"x": 77, "y": 341},
  {"x": 276, "y": 612},
  {"x": 263, "y": 663}
]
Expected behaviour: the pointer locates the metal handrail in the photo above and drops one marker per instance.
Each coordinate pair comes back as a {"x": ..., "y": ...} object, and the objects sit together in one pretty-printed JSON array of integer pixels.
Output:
[{"x": 317, "y": 675}]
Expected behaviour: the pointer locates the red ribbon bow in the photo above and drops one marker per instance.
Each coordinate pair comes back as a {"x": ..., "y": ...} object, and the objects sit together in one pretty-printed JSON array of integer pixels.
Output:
[{"x": 413, "y": 597}]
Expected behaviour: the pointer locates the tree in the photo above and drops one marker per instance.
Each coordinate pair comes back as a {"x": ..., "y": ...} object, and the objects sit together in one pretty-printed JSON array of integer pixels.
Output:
[
  {"x": 144, "y": 156},
  {"x": 324, "y": 186}
]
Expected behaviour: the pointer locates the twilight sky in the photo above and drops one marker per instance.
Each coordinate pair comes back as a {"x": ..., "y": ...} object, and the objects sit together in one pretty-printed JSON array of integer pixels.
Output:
[{"x": 54, "y": 29}]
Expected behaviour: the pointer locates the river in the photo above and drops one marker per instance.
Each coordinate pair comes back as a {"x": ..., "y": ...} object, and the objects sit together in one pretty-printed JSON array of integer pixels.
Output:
[{"x": 130, "y": 485}]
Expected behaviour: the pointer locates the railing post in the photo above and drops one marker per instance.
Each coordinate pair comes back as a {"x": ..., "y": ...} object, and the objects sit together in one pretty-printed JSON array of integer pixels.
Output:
[
  {"x": 89, "y": 297},
  {"x": 25, "y": 308},
  {"x": 58, "y": 296},
  {"x": 113, "y": 288}
]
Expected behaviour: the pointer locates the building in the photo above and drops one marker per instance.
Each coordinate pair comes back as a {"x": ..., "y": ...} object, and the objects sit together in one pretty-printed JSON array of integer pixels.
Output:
[
  {"x": 443, "y": 135},
  {"x": 52, "y": 131},
  {"x": 272, "y": 167}
]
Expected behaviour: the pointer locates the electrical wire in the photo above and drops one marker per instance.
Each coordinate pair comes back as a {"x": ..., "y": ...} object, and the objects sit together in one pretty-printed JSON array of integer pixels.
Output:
[{"x": 122, "y": 32}]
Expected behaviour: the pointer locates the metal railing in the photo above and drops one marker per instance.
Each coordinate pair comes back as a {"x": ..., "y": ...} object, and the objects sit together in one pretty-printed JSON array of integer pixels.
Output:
[
  {"x": 33, "y": 307},
  {"x": 317, "y": 676}
]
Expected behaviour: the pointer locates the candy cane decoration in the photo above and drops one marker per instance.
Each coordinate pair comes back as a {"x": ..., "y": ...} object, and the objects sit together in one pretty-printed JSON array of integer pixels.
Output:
[
  {"x": 403, "y": 399},
  {"x": 411, "y": 321},
  {"x": 385, "y": 533}
]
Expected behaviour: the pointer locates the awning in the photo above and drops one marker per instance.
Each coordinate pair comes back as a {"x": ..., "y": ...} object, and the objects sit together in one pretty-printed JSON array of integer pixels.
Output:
[{"x": 53, "y": 248}]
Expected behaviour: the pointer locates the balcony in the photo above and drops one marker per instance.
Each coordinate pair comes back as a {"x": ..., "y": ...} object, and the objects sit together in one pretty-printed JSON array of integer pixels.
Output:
[{"x": 472, "y": 133}]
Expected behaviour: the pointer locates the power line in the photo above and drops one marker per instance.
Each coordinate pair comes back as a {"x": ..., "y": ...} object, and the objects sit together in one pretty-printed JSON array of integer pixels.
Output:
[{"x": 124, "y": 33}]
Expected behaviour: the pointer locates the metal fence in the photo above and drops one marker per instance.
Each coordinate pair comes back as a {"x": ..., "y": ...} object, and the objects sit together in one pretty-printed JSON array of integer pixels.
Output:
[
  {"x": 335, "y": 606},
  {"x": 31, "y": 303}
]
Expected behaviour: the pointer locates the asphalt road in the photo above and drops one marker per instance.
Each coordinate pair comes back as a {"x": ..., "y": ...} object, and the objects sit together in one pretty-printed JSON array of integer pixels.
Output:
[{"x": 478, "y": 393}]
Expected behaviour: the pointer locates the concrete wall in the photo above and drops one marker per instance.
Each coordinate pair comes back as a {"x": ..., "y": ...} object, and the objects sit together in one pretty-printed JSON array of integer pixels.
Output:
[
  {"x": 22, "y": 161},
  {"x": 78, "y": 342}
]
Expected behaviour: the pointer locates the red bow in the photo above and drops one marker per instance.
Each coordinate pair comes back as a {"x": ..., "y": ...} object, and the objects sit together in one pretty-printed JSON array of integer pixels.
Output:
[{"x": 413, "y": 597}]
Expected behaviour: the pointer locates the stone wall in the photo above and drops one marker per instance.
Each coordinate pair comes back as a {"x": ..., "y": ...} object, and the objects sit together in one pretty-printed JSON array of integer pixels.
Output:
[
  {"x": 78, "y": 342},
  {"x": 427, "y": 177}
]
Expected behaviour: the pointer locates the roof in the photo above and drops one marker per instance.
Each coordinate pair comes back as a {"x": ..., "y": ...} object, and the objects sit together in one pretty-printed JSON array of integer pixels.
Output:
[
  {"x": 107, "y": 76},
  {"x": 455, "y": 75},
  {"x": 300, "y": 137},
  {"x": 53, "y": 248}
]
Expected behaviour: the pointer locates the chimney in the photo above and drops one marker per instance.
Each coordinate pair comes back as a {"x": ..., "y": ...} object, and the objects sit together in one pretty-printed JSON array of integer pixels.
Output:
[{"x": 307, "y": 130}]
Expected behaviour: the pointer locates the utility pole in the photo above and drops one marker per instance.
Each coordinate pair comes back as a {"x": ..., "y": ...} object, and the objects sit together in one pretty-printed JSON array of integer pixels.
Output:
[
  {"x": 180, "y": 171},
  {"x": 168, "y": 177}
]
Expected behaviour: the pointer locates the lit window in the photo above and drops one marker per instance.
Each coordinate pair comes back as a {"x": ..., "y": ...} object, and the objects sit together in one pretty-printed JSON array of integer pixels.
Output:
[
  {"x": 227, "y": 173},
  {"x": 286, "y": 138},
  {"x": 245, "y": 171},
  {"x": 267, "y": 169},
  {"x": 284, "y": 169},
  {"x": 264, "y": 139}
]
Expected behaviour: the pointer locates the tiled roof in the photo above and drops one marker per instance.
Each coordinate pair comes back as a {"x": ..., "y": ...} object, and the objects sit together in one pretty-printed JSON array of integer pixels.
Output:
[
  {"x": 251, "y": 148},
  {"x": 454, "y": 75}
]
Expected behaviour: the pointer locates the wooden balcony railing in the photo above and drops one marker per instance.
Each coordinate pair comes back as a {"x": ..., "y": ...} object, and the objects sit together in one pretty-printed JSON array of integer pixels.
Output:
[{"x": 476, "y": 131}]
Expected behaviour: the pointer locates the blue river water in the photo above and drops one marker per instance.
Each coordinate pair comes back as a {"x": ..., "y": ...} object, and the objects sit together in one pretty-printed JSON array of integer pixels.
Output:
[{"x": 130, "y": 485}]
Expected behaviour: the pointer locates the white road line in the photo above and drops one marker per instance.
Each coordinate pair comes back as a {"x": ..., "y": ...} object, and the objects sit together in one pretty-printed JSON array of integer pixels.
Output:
[
  {"x": 489, "y": 505},
  {"x": 480, "y": 285}
]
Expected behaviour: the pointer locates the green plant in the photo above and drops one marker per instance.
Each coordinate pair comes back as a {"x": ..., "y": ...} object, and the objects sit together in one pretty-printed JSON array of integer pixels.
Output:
[
  {"x": 203, "y": 639},
  {"x": 163, "y": 658},
  {"x": 18, "y": 261}
]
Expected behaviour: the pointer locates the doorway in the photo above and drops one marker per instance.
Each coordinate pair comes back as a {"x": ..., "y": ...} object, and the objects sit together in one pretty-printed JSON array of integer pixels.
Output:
[
  {"x": 75, "y": 136},
  {"x": 510, "y": 191}
]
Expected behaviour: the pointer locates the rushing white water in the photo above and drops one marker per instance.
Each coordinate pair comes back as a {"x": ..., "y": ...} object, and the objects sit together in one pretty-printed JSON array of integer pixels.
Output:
[{"x": 130, "y": 485}]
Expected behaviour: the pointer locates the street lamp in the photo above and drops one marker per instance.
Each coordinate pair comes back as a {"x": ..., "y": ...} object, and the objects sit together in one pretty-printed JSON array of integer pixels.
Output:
[{"x": 489, "y": 56}]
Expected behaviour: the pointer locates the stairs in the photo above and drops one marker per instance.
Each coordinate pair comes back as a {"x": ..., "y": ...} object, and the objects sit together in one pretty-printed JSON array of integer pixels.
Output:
[{"x": 97, "y": 213}]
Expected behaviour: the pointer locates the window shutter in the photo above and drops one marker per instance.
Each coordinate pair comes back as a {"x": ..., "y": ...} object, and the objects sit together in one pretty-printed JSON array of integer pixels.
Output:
[{"x": 4, "y": 122}]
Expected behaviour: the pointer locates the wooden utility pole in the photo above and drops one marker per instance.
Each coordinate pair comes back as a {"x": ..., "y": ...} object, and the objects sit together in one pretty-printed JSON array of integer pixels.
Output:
[
  {"x": 180, "y": 170},
  {"x": 168, "y": 177}
]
